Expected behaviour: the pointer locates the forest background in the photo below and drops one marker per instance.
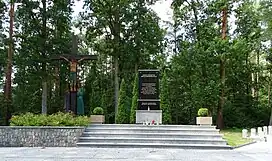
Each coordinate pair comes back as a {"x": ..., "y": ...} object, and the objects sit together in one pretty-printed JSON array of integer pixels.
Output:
[{"x": 214, "y": 54}]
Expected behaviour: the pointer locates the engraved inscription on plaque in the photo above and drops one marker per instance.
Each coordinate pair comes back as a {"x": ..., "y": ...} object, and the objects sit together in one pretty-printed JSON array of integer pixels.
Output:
[
  {"x": 149, "y": 84},
  {"x": 154, "y": 105},
  {"x": 149, "y": 90}
]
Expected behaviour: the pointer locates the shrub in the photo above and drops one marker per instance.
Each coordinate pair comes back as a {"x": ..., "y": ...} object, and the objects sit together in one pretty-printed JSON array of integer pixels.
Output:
[
  {"x": 81, "y": 121},
  {"x": 134, "y": 103},
  {"x": 98, "y": 111},
  {"x": 57, "y": 119},
  {"x": 203, "y": 112},
  {"x": 165, "y": 102},
  {"x": 122, "y": 116}
]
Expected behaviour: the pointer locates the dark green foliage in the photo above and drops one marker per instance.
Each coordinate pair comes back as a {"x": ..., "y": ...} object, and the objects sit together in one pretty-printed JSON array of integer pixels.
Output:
[
  {"x": 165, "y": 104},
  {"x": 203, "y": 112},
  {"x": 123, "y": 113},
  {"x": 104, "y": 105},
  {"x": 2, "y": 111},
  {"x": 93, "y": 94},
  {"x": 194, "y": 71},
  {"x": 3, "y": 57},
  {"x": 98, "y": 111},
  {"x": 58, "y": 119},
  {"x": 3, "y": 49},
  {"x": 134, "y": 104},
  {"x": 32, "y": 52}
]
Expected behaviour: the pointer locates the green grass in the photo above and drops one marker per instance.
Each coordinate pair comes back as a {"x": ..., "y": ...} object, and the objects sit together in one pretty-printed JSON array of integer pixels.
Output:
[{"x": 234, "y": 137}]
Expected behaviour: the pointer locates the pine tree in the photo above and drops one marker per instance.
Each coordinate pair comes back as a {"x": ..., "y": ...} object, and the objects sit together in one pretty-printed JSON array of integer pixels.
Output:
[
  {"x": 122, "y": 116},
  {"x": 134, "y": 103},
  {"x": 165, "y": 105}
]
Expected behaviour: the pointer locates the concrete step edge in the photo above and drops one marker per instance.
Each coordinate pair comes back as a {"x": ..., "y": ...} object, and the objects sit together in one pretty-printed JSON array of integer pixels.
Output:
[
  {"x": 141, "y": 125},
  {"x": 151, "y": 129},
  {"x": 161, "y": 139},
  {"x": 170, "y": 134},
  {"x": 156, "y": 145}
]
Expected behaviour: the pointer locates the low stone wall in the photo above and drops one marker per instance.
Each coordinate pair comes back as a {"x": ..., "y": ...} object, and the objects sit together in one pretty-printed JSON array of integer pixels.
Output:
[{"x": 20, "y": 136}]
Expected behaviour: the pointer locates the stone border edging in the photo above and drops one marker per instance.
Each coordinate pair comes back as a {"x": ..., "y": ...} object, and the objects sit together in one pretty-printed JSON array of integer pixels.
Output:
[
  {"x": 40, "y": 136},
  {"x": 239, "y": 146},
  {"x": 43, "y": 127}
]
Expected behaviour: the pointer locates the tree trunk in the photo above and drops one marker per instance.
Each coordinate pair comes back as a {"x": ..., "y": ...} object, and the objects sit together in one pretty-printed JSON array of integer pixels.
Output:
[
  {"x": 116, "y": 32},
  {"x": 116, "y": 85},
  {"x": 7, "y": 91},
  {"x": 44, "y": 97},
  {"x": 257, "y": 76},
  {"x": 269, "y": 97},
  {"x": 270, "y": 122},
  {"x": 136, "y": 67},
  {"x": 44, "y": 80},
  {"x": 220, "y": 121},
  {"x": 175, "y": 39}
]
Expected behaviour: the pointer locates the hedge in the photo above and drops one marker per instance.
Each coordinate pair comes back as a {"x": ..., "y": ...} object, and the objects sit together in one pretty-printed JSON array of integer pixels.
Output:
[{"x": 57, "y": 119}]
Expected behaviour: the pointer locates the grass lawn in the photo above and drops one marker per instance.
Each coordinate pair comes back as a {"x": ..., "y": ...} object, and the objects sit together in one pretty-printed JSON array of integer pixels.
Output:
[{"x": 234, "y": 137}]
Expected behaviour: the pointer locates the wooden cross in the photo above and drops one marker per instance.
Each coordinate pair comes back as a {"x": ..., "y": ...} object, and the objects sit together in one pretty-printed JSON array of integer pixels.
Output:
[{"x": 74, "y": 59}]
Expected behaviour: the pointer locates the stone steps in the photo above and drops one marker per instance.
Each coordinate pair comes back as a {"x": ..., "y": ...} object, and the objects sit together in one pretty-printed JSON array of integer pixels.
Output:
[
  {"x": 152, "y": 140},
  {"x": 152, "y": 135},
  {"x": 152, "y": 145},
  {"x": 155, "y": 136},
  {"x": 93, "y": 126},
  {"x": 152, "y": 130}
]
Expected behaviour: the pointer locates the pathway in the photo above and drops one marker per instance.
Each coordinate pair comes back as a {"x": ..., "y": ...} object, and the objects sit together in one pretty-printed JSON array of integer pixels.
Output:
[{"x": 254, "y": 152}]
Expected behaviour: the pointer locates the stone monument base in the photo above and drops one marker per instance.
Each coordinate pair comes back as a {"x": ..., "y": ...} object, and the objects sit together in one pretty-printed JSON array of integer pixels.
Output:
[{"x": 148, "y": 115}]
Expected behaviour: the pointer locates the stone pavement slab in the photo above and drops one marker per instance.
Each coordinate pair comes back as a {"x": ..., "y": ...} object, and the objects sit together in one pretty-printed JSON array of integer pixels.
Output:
[
  {"x": 120, "y": 154},
  {"x": 261, "y": 151}
]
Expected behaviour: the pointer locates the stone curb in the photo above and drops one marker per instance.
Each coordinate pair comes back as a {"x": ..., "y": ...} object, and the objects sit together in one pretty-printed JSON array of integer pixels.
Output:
[
  {"x": 42, "y": 127},
  {"x": 239, "y": 146}
]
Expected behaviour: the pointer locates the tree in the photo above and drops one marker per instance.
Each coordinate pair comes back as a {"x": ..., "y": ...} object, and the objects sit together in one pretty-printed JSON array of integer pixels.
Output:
[
  {"x": 266, "y": 10},
  {"x": 43, "y": 30},
  {"x": 8, "y": 90},
  {"x": 220, "y": 121},
  {"x": 106, "y": 17},
  {"x": 165, "y": 102},
  {"x": 122, "y": 115},
  {"x": 134, "y": 104},
  {"x": 2, "y": 42},
  {"x": 192, "y": 79},
  {"x": 44, "y": 38},
  {"x": 3, "y": 57},
  {"x": 127, "y": 32}
]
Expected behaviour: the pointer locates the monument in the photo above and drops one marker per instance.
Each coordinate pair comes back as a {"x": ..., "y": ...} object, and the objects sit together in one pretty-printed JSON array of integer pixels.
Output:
[
  {"x": 74, "y": 59},
  {"x": 149, "y": 101}
]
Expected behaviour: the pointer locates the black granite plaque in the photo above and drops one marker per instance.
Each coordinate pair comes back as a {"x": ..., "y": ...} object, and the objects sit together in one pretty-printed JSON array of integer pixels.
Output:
[
  {"x": 152, "y": 104},
  {"x": 148, "y": 90}
]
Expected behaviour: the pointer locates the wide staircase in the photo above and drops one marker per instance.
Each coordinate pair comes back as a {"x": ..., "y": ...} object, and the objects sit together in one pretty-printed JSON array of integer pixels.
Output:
[{"x": 152, "y": 136}]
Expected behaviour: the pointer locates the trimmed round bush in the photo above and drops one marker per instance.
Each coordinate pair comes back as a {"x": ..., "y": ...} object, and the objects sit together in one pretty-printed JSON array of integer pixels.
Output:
[
  {"x": 203, "y": 112},
  {"x": 98, "y": 111}
]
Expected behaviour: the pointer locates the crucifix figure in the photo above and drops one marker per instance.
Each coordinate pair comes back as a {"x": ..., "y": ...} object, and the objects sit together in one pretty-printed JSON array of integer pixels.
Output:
[
  {"x": 74, "y": 59},
  {"x": 73, "y": 71}
]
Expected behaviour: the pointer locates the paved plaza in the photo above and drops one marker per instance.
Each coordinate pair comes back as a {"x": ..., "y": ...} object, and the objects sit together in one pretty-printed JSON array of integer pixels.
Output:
[{"x": 255, "y": 152}]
